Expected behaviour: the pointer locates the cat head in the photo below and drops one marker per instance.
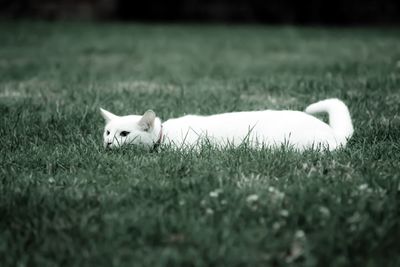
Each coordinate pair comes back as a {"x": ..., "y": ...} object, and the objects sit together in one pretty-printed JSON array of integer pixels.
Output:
[{"x": 141, "y": 130}]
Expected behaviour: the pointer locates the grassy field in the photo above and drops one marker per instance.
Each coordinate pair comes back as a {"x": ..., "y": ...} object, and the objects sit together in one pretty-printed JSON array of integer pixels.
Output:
[{"x": 65, "y": 201}]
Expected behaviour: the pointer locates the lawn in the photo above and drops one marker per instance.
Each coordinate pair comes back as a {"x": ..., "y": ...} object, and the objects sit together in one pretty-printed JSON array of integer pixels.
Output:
[{"x": 65, "y": 201}]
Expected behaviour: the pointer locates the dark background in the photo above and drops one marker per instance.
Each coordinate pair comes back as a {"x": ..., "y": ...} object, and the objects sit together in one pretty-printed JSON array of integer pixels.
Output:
[{"x": 339, "y": 12}]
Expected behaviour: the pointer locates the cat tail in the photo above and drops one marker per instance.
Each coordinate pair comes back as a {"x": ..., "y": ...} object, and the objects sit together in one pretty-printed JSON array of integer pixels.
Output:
[{"x": 339, "y": 117}]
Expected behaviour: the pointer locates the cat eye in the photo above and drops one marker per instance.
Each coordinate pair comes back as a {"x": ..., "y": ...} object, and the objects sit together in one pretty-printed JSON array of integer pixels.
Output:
[
  {"x": 108, "y": 132},
  {"x": 124, "y": 133}
]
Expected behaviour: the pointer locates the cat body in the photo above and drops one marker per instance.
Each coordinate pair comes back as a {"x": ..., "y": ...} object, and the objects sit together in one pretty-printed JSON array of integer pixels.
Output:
[{"x": 268, "y": 128}]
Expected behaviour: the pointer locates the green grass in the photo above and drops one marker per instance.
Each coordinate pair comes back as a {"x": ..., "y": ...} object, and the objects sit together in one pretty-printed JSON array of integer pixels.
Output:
[{"x": 65, "y": 201}]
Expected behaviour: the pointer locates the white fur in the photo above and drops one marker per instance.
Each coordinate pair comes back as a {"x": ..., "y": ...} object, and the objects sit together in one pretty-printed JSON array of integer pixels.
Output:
[{"x": 268, "y": 128}]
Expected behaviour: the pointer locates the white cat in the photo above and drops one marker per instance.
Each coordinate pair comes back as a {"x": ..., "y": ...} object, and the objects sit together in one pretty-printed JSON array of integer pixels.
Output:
[{"x": 268, "y": 128}]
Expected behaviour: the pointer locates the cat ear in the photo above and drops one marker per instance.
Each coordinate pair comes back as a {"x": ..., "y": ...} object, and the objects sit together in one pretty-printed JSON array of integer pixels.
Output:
[
  {"x": 108, "y": 116},
  {"x": 147, "y": 120}
]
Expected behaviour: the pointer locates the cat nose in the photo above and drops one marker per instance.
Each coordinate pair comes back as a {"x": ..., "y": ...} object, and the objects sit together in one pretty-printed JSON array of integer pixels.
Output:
[{"x": 108, "y": 144}]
